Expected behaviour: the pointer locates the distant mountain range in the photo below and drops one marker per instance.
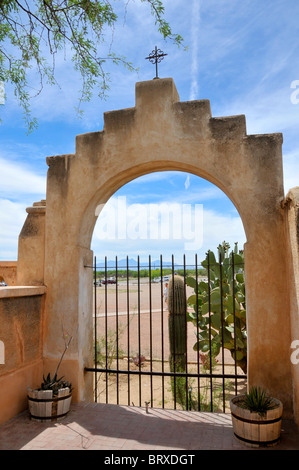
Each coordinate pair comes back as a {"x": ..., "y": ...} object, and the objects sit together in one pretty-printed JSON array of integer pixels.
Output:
[{"x": 133, "y": 264}]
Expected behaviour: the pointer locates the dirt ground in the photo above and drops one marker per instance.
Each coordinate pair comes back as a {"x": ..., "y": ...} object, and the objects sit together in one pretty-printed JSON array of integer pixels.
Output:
[{"x": 153, "y": 347}]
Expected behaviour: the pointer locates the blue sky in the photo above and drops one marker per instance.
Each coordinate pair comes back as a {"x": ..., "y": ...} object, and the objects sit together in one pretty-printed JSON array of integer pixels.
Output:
[{"x": 242, "y": 56}]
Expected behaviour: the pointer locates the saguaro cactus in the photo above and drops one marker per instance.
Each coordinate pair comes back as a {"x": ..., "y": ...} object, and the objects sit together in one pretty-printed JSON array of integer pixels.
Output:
[{"x": 177, "y": 308}]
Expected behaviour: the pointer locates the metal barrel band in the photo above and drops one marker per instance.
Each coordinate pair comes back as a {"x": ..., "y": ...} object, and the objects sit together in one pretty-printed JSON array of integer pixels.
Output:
[
  {"x": 259, "y": 443},
  {"x": 48, "y": 417},
  {"x": 270, "y": 421},
  {"x": 39, "y": 400}
]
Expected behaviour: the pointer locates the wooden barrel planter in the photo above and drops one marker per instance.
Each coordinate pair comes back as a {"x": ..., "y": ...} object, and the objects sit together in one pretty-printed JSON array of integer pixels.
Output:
[
  {"x": 44, "y": 407},
  {"x": 254, "y": 429}
]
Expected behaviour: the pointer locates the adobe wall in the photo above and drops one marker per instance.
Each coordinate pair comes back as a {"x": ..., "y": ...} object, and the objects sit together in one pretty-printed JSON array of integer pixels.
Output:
[
  {"x": 291, "y": 205},
  {"x": 8, "y": 272},
  {"x": 31, "y": 247},
  {"x": 21, "y": 365}
]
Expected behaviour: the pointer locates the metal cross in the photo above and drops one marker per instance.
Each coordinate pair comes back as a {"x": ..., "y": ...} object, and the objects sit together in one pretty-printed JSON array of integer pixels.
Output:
[{"x": 156, "y": 57}]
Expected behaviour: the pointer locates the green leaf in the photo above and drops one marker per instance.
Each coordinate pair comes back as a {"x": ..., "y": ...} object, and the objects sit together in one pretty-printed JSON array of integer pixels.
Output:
[
  {"x": 216, "y": 296},
  {"x": 203, "y": 322},
  {"x": 240, "y": 297},
  {"x": 209, "y": 259},
  {"x": 204, "y": 346},
  {"x": 191, "y": 316},
  {"x": 205, "y": 308},
  {"x": 192, "y": 300},
  {"x": 239, "y": 343},
  {"x": 232, "y": 304},
  {"x": 238, "y": 261},
  {"x": 216, "y": 320},
  {"x": 227, "y": 335},
  {"x": 238, "y": 355},
  {"x": 203, "y": 286},
  {"x": 242, "y": 314},
  {"x": 205, "y": 335},
  {"x": 191, "y": 282}
]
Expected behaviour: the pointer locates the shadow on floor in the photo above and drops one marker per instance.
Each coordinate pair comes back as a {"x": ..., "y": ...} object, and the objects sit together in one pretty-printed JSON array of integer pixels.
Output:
[{"x": 111, "y": 427}]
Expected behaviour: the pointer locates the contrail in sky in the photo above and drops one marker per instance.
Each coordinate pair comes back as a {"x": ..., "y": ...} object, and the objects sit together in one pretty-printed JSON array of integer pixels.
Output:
[{"x": 194, "y": 51}]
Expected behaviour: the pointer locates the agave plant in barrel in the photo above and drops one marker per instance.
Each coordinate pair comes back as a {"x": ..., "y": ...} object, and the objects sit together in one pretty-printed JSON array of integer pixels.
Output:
[
  {"x": 53, "y": 398},
  {"x": 256, "y": 400},
  {"x": 256, "y": 418},
  {"x": 54, "y": 383}
]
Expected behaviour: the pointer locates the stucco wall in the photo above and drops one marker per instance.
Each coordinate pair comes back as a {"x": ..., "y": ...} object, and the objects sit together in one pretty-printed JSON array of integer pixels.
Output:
[
  {"x": 8, "y": 272},
  {"x": 21, "y": 320},
  {"x": 31, "y": 247},
  {"x": 291, "y": 206}
]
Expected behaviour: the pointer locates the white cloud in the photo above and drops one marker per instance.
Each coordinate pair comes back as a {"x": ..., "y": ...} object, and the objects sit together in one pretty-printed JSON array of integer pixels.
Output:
[
  {"x": 195, "y": 22},
  {"x": 18, "y": 181},
  {"x": 19, "y": 188},
  {"x": 164, "y": 228},
  {"x": 291, "y": 170},
  {"x": 187, "y": 182},
  {"x": 12, "y": 216},
  {"x": 219, "y": 227}
]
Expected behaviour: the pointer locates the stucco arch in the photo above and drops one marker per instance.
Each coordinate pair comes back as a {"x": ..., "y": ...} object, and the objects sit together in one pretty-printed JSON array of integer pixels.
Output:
[{"x": 163, "y": 133}]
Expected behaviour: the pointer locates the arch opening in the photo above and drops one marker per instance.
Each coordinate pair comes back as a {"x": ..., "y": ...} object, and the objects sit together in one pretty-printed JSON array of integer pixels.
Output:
[
  {"x": 153, "y": 227},
  {"x": 139, "y": 211}
]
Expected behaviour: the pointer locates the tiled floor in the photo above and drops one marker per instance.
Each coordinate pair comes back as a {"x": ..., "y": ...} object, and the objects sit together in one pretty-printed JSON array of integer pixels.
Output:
[{"x": 115, "y": 428}]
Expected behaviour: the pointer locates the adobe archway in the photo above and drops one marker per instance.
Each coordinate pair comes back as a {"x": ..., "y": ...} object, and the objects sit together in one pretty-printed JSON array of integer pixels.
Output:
[{"x": 162, "y": 133}]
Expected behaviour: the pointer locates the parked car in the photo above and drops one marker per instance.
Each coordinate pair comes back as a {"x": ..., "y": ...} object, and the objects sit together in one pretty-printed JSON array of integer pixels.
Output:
[
  {"x": 164, "y": 279},
  {"x": 109, "y": 281}
]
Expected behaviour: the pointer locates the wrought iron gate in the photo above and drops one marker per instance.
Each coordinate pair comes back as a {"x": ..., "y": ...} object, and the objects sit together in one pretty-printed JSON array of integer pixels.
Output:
[{"x": 131, "y": 334}]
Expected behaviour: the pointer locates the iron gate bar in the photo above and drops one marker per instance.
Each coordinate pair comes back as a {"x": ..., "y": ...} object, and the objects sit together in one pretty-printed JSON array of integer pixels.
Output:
[
  {"x": 173, "y": 333},
  {"x": 222, "y": 326},
  {"x": 106, "y": 326},
  {"x": 234, "y": 315},
  {"x": 139, "y": 319},
  {"x": 128, "y": 327},
  {"x": 116, "y": 331},
  {"x": 197, "y": 332},
  {"x": 95, "y": 328},
  {"x": 210, "y": 332},
  {"x": 151, "y": 326},
  {"x": 186, "y": 336},
  {"x": 162, "y": 329}
]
